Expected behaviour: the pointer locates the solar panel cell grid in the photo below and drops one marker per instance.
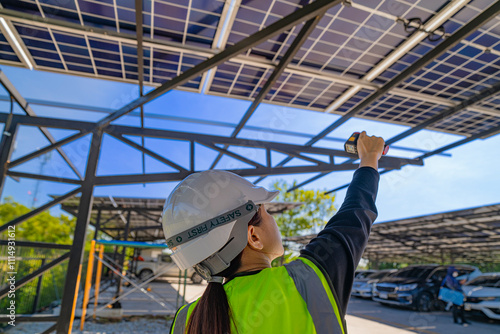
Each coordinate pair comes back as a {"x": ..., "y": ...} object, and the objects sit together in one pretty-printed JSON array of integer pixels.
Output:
[{"x": 348, "y": 41}]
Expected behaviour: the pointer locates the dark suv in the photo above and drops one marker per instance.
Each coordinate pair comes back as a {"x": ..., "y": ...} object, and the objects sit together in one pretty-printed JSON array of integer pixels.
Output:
[{"x": 417, "y": 286}]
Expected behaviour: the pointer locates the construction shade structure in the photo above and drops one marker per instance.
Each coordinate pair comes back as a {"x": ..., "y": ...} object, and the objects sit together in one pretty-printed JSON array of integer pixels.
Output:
[
  {"x": 463, "y": 236},
  {"x": 423, "y": 64}
]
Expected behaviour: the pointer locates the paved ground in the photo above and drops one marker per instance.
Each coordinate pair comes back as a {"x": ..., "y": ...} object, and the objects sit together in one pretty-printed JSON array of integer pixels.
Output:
[
  {"x": 162, "y": 299},
  {"x": 364, "y": 316}
]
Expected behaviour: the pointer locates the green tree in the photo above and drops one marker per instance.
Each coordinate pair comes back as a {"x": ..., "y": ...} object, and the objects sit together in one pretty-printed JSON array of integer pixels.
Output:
[
  {"x": 316, "y": 209},
  {"x": 42, "y": 228}
]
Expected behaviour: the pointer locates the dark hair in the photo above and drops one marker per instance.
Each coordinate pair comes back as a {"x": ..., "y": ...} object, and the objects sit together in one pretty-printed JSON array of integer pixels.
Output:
[{"x": 212, "y": 314}]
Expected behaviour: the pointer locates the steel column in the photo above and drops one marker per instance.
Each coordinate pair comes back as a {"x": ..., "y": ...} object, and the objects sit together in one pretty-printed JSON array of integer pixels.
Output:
[
  {"x": 140, "y": 66},
  {"x": 97, "y": 224},
  {"x": 122, "y": 256},
  {"x": 82, "y": 222},
  {"x": 38, "y": 290}
]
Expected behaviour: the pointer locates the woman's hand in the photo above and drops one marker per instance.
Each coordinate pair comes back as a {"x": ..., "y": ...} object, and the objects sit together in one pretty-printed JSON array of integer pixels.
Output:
[{"x": 369, "y": 150}]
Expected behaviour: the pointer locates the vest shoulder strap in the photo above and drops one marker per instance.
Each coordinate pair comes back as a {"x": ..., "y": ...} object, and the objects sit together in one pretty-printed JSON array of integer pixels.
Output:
[
  {"x": 179, "y": 322},
  {"x": 321, "y": 307}
]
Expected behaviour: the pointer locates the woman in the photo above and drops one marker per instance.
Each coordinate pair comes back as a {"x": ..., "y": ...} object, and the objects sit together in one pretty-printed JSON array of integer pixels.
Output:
[
  {"x": 451, "y": 282},
  {"x": 217, "y": 222}
]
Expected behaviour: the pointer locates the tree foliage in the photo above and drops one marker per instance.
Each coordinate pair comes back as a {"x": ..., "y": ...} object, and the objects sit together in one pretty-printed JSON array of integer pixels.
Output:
[
  {"x": 42, "y": 228},
  {"x": 316, "y": 209}
]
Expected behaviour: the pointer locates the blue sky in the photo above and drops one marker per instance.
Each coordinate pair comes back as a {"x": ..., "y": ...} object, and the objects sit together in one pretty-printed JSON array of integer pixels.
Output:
[{"x": 467, "y": 178}]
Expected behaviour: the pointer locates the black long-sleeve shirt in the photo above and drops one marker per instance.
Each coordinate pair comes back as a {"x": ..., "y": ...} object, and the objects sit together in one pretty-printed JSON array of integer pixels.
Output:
[{"x": 338, "y": 247}]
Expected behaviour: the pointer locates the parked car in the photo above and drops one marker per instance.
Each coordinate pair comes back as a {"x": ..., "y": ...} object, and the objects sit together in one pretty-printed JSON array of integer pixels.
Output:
[
  {"x": 418, "y": 286},
  {"x": 363, "y": 287},
  {"x": 362, "y": 273},
  {"x": 483, "y": 295},
  {"x": 163, "y": 264}
]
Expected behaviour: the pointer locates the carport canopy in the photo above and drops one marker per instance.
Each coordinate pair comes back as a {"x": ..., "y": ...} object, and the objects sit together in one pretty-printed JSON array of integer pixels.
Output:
[{"x": 464, "y": 236}]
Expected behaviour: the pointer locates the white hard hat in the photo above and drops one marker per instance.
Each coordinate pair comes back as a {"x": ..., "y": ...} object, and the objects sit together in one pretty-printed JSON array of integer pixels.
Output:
[{"x": 200, "y": 198}]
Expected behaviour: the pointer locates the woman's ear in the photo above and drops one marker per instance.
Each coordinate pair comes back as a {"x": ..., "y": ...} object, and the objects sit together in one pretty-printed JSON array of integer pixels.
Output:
[{"x": 254, "y": 239}]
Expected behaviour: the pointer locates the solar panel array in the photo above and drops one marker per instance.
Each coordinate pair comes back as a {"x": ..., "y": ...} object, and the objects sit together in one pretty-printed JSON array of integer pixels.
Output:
[
  {"x": 349, "y": 42},
  {"x": 464, "y": 236}
]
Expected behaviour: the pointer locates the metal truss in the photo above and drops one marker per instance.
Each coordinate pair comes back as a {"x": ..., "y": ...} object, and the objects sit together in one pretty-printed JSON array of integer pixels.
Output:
[{"x": 212, "y": 142}]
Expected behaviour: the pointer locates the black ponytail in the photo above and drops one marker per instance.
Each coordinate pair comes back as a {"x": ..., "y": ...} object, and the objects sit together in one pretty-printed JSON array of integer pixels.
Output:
[{"x": 212, "y": 314}]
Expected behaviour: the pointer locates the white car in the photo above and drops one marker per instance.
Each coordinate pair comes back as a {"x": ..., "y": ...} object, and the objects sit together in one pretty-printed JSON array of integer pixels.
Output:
[
  {"x": 483, "y": 295},
  {"x": 362, "y": 287}
]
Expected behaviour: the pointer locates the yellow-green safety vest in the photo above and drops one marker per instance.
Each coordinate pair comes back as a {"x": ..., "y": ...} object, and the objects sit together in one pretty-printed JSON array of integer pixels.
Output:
[{"x": 295, "y": 298}]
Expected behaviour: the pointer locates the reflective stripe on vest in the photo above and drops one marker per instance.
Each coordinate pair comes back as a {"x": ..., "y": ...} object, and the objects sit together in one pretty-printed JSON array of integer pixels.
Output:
[
  {"x": 180, "y": 320},
  {"x": 314, "y": 294}
]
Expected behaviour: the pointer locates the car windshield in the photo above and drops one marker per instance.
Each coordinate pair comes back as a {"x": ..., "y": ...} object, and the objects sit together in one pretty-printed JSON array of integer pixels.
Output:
[
  {"x": 486, "y": 281},
  {"x": 415, "y": 272},
  {"x": 363, "y": 274},
  {"x": 377, "y": 275}
]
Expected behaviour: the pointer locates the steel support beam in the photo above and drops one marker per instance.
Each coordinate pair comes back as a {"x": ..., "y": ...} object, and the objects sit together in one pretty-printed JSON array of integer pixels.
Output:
[
  {"x": 30, "y": 318},
  {"x": 49, "y": 122},
  {"x": 149, "y": 152},
  {"x": 44, "y": 150},
  {"x": 305, "y": 13},
  {"x": 440, "y": 150},
  {"x": 484, "y": 94},
  {"x": 306, "y": 30},
  {"x": 82, "y": 222},
  {"x": 447, "y": 44},
  {"x": 169, "y": 177},
  {"x": 27, "y": 109},
  {"x": 32, "y": 244},
  {"x": 211, "y": 141},
  {"x": 44, "y": 177},
  {"x": 6, "y": 149},
  {"x": 26, "y": 279},
  {"x": 38, "y": 210},
  {"x": 208, "y": 122}
]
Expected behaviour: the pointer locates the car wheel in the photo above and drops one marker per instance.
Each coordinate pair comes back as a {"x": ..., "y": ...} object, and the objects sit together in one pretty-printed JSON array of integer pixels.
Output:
[
  {"x": 196, "y": 279},
  {"x": 424, "y": 302},
  {"x": 145, "y": 274}
]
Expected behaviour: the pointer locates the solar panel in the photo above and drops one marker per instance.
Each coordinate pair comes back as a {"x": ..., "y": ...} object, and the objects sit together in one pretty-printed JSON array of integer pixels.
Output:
[{"x": 330, "y": 72}]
